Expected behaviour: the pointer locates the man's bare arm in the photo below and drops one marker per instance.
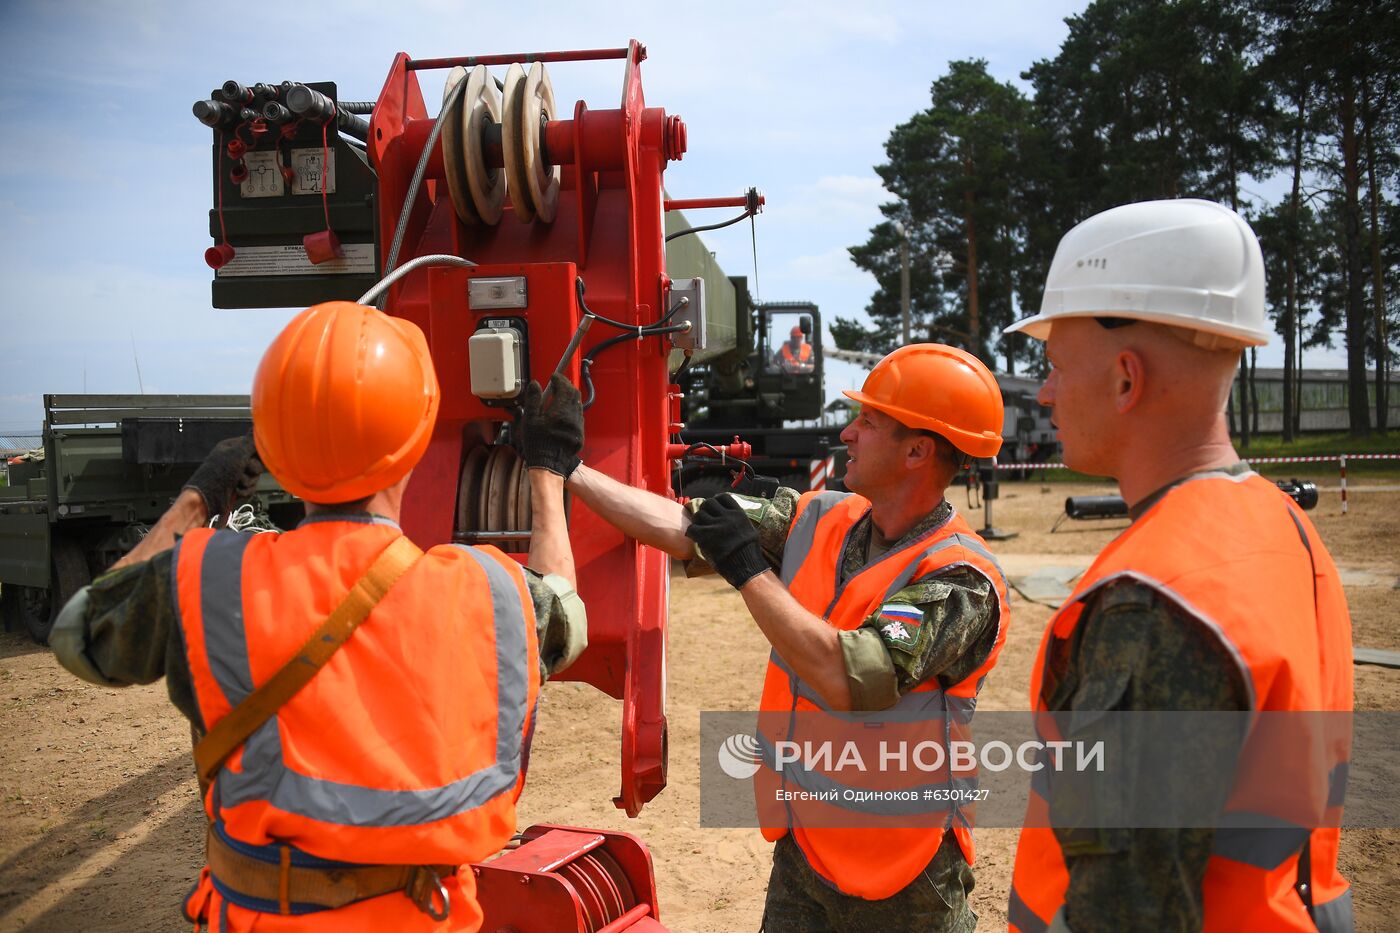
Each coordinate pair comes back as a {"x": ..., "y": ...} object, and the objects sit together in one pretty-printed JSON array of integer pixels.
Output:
[
  {"x": 637, "y": 513},
  {"x": 186, "y": 512},
  {"x": 549, "y": 533},
  {"x": 806, "y": 643}
]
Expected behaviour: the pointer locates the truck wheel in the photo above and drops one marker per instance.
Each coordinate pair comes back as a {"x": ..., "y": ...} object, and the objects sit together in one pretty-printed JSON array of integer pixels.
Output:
[
  {"x": 26, "y": 608},
  {"x": 705, "y": 486},
  {"x": 70, "y": 574}
]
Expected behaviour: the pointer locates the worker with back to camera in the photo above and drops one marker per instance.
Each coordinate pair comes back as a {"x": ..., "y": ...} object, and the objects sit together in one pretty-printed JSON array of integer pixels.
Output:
[
  {"x": 380, "y": 758},
  {"x": 795, "y": 355},
  {"x": 1220, "y": 596},
  {"x": 895, "y": 550}
]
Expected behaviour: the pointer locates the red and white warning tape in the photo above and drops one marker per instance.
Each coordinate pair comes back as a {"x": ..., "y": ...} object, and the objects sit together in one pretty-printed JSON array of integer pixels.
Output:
[
  {"x": 1340, "y": 458},
  {"x": 1323, "y": 459}
]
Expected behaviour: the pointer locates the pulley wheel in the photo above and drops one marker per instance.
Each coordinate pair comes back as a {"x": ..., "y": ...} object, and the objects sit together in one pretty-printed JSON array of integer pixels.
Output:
[
  {"x": 489, "y": 501},
  {"x": 454, "y": 154},
  {"x": 603, "y": 888},
  {"x": 469, "y": 489},
  {"x": 537, "y": 110},
  {"x": 512, "y": 517},
  {"x": 512, "y": 144},
  {"x": 481, "y": 107}
]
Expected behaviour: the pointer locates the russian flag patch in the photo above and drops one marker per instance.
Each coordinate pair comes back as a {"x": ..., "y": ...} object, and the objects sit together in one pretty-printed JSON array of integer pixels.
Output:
[{"x": 898, "y": 621}]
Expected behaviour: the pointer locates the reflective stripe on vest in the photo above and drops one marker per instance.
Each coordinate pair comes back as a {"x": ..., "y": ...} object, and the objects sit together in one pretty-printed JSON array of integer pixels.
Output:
[
  {"x": 265, "y": 777},
  {"x": 1226, "y": 550}
]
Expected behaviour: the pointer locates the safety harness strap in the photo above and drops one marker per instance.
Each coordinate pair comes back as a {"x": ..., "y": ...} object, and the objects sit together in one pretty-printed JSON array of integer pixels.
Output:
[
  {"x": 259, "y": 706},
  {"x": 286, "y": 888}
]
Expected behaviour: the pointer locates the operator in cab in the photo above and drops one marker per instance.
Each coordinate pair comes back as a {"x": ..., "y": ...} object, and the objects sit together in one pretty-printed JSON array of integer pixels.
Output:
[{"x": 795, "y": 355}]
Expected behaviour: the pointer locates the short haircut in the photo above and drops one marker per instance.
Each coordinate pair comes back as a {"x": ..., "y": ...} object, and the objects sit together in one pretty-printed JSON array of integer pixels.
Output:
[{"x": 944, "y": 451}]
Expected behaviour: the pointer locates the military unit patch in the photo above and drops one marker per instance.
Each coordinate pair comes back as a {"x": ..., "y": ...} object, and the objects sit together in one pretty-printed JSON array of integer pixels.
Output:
[{"x": 900, "y": 622}]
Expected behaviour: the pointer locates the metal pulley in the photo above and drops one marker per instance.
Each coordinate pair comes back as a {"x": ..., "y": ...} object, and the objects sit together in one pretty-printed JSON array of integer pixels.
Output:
[
  {"x": 494, "y": 145},
  {"x": 493, "y": 499},
  {"x": 477, "y": 188}
]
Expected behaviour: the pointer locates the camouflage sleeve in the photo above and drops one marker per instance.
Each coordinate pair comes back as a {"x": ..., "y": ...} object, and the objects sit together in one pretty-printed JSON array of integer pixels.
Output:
[
  {"x": 1137, "y": 651},
  {"x": 121, "y": 630},
  {"x": 942, "y": 625},
  {"x": 561, "y": 622},
  {"x": 772, "y": 516}
]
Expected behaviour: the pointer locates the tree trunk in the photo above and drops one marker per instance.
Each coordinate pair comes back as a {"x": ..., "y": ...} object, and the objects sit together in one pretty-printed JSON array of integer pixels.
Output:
[
  {"x": 1357, "y": 407},
  {"x": 974, "y": 318},
  {"x": 1243, "y": 381},
  {"x": 1254, "y": 387},
  {"x": 1378, "y": 280},
  {"x": 1292, "y": 317},
  {"x": 1298, "y": 383}
]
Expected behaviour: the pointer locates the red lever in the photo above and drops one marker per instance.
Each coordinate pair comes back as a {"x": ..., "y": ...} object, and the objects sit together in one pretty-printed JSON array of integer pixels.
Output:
[{"x": 735, "y": 449}]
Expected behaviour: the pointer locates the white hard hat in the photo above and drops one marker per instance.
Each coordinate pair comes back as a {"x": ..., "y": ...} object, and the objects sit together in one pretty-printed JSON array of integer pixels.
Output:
[{"x": 1188, "y": 263}]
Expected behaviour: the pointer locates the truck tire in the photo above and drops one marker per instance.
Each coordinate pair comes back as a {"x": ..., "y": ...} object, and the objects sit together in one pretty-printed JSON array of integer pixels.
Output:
[
  {"x": 70, "y": 574},
  {"x": 25, "y": 608},
  {"x": 705, "y": 485}
]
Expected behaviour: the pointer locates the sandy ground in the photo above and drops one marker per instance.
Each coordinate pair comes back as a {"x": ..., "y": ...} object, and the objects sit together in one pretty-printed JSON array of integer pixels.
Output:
[{"x": 100, "y": 827}]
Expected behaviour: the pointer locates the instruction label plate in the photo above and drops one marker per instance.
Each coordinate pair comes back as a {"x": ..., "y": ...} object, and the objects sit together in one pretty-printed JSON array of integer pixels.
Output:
[
  {"x": 291, "y": 260},
  {"x": 264, "y": 180},
  {"x": 307, "y": 165}
]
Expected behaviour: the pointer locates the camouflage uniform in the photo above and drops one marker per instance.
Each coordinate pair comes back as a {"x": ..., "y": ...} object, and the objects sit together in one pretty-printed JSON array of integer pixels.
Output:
[
  {"x": 1135, "y": 650},
  {"x": 131, "y": 636},
  {"x": 960, "y": 609}
]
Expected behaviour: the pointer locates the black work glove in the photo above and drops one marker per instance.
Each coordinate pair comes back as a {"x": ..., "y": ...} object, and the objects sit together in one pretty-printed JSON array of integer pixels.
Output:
[
  {"x": 727, "y": 539},
  {"x": 229, "y": 473},
  {"x": 553, "y": 427}
]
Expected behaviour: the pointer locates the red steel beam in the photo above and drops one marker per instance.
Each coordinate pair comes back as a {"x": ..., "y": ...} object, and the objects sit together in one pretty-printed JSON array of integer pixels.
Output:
[
  {"x": 697, "y": 204},
  {"x": 470, "y": 61}
]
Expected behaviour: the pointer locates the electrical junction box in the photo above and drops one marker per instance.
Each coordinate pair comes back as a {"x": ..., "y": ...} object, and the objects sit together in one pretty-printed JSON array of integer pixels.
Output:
[
  {"x": 692, "y": 291},
  {"x": 494, "y": 355}
]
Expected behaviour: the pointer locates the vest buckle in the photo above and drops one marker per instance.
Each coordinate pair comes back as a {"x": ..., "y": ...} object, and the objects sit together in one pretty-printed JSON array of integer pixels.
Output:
[{"x": 427, "y": 891}]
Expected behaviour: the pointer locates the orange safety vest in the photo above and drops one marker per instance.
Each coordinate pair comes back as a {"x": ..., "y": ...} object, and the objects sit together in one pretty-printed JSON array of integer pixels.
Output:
[
  {"x": 804, "y": 354},
  {"x": 406, "y": 748},
  {"x": 875, "y": 861},
  {"x": 1239, "y": 556}
]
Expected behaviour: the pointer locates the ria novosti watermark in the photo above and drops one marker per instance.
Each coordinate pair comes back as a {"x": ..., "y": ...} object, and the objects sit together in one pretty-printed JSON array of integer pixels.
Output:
[{"x": 1109, "y": 769}]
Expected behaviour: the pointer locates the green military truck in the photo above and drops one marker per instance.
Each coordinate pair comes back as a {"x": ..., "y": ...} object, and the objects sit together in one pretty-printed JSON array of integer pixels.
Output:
[{"x": 110, "y": 466}]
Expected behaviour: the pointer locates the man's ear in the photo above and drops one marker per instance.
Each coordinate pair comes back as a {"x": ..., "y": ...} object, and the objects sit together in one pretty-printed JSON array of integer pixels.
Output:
[
  {"x": 920, "y": 451},
  {"x": 1129, "y": 380}
]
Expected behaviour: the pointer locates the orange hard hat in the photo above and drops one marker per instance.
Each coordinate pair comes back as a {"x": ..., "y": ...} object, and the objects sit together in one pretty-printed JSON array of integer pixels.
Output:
[
  {"x": 933, "y": 387},
  {"x": 344, "y": 402},
  {"x": 796, "y": 331}
]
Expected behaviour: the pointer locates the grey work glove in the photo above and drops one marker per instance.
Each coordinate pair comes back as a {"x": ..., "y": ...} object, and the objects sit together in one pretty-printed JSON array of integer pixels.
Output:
[
  {"x": 727, "y": 539},
  {"x": 553, "y": 427},
  {"x": 228, "y": 474}
]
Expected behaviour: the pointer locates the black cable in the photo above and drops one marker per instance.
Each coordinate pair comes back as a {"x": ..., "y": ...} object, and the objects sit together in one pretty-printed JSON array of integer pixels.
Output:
[
  {"x": 723, "y": 457},
  {"x": 718, "y": 226},
  {"x": 637, "y": 333}
]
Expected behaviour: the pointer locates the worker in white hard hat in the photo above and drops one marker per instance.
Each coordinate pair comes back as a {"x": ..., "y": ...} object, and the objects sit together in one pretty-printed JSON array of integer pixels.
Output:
[
  {"x": 1220, "y": 596},
  {"x": 921, "y": 619}
]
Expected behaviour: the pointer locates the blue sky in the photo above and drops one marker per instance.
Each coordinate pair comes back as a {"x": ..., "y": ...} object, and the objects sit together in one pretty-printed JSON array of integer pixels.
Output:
[{"x": 104, "y": 188}]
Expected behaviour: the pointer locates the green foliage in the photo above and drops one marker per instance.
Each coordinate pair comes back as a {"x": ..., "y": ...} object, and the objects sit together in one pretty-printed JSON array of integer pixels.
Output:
[{"x": 1171, "y": 98}]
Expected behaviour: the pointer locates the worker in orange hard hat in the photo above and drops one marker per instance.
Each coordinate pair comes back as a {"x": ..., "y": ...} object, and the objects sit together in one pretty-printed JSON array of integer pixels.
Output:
[
  {"x": 1220, "y": 598},
  {"x": 882, "y": 598},
  {"x": 795, "y": 355},
  {"x": 339, "y": 680}
]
